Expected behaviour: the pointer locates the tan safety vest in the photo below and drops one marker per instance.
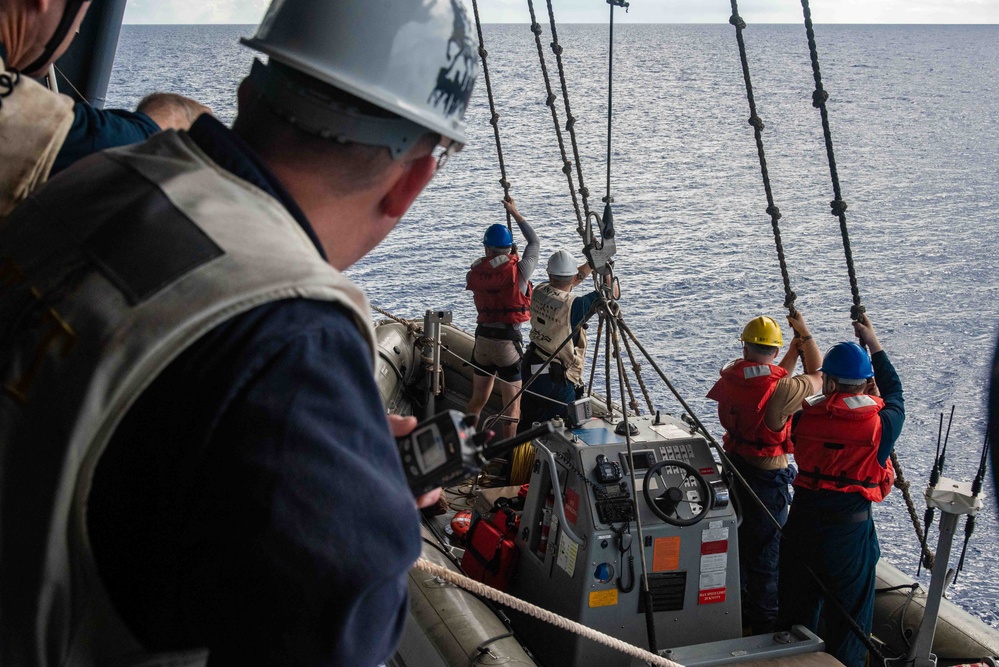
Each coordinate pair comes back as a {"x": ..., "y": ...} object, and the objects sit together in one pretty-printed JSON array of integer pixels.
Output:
[
  {"x": 551, "y": 311},
  {"x": 34, "y": 123},
  {"x": 105, "y": 278}
]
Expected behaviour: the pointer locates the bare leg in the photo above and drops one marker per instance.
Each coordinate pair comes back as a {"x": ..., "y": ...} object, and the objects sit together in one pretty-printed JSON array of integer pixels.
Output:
[
  {"x": 482, "y": 387},
  {"x": 508, "y": 390}
]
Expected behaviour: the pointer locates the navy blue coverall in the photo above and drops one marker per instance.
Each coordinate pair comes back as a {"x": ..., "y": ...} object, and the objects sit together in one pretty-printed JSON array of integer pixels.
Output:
[
  {"x": 252, "y": 500},
  {"x": 97, "y": 129},
  {"x": 824, "y": 532}
]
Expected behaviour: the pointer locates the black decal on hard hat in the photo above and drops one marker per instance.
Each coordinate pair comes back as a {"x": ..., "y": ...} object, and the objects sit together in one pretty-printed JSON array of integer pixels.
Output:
[{"x": 455, "y": 82}]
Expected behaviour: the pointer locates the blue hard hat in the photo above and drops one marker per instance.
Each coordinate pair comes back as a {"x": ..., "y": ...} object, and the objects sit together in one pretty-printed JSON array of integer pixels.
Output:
[
  {"x": 497, "y": 236},
  {"x": 847, "y": 361}
]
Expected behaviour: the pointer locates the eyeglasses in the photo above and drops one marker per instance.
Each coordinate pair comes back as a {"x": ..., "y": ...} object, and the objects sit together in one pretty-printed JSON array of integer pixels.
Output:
[{"x": 449, "y": 147}]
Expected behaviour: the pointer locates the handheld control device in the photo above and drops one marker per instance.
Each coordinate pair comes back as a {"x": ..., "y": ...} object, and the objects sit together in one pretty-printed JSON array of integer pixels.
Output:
[{"x": 446, "y": 448}]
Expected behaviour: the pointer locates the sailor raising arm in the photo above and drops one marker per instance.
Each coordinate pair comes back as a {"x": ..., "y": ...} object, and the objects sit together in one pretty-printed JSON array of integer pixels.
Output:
[
  {"x": 756, "y": 400},
  {"x": 500, "y": 284},
  {"x": 843, "y": 443}
]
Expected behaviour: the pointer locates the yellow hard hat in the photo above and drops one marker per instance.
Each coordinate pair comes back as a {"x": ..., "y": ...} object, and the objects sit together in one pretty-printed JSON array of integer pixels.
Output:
[{"x": 762, "y": 330}]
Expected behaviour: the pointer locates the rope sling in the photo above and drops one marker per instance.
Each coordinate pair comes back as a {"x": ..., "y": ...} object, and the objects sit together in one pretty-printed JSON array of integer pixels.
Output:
[{"x": 838, "y": 207}]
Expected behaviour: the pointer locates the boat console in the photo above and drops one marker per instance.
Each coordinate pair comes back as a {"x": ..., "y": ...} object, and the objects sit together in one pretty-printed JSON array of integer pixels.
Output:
[{"x": 580, "y": 546}]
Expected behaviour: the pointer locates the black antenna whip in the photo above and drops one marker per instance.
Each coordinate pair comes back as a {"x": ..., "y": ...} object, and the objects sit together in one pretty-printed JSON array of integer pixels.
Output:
[
  {"x": 976, "y": 489},
  {"x": 930, "y": 512}
]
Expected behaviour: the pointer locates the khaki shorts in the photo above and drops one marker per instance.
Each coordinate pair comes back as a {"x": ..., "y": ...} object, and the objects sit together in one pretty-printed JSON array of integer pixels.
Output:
[{"x": 497, "y": 357}]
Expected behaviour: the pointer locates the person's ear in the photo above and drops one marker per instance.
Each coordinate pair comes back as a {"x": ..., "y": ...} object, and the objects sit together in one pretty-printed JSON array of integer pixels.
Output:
[
  {"x": 408, "y": 185},
  {"x": 245, "y": 93}
]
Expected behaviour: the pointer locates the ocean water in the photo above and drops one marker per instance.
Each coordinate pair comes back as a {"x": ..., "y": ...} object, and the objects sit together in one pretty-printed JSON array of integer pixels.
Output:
[{"x": 914, "y": 124}]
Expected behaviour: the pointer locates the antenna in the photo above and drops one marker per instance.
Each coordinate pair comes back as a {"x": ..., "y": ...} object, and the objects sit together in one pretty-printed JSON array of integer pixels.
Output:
[
  {"x": 953, "y": 498},
  {"x": 976, "y": 489},
  {"x": 943, "y": 452},
  {"x": 930, "y": 511}
]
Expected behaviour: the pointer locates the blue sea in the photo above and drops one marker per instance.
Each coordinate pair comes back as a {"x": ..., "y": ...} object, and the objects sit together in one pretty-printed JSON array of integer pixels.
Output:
[{"x": 914, "y": 119}]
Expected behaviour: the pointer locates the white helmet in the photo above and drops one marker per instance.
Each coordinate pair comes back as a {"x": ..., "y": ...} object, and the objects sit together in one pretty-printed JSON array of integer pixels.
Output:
[
  {"x": 562, "y": 265},
  {"x": 415, "y": 59}
]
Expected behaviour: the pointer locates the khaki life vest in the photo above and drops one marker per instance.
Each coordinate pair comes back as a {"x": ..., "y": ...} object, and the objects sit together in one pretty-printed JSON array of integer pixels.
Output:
[
  {"x": 34, "y": 122},
  {"x": 551, "y": 311},
  {"x": 106, "y": 277}
]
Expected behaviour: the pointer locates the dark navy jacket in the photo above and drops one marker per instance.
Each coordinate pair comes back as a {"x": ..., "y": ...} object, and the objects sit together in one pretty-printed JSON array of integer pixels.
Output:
[
  {"x": 252, "y": 500},
  {"x": 96, "y": 129}
]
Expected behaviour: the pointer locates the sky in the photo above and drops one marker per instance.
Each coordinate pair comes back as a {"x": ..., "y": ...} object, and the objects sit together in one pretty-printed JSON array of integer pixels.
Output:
[{"x": 641, "y": 11}]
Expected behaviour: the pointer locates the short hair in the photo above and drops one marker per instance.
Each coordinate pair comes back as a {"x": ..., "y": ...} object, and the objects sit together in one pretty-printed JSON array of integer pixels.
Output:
[
  {"x": 561, "y": 282},
  {"x": 848, "y": 382},
  {"x": 354, "y": 166},
  {"x": 765, "y": 350}
]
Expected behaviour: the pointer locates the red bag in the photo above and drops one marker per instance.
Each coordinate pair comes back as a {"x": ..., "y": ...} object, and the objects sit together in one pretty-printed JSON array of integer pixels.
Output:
[{"x": 491, "y": 555}]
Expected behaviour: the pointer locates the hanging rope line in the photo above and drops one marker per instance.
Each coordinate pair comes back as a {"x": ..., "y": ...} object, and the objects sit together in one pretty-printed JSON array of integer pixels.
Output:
[
  {"x": 819, "y": 97},
  {"x": 650, "y": 624},
  {"x": 758, "y": 127},
  {"x": 596, "y": 354},
  {"x": 838, "y": 206},
  {"x": 636, "y": 368},
  {"x": 903, "y": 485},
  {"x": 570, "y": 120},
  {"x": 610, "y": 88},
  {"x": 632, "y": 403},
  {"x": 550, "y": 103},
  {"x": 607, "y": 357},
  {"x": 494, "y": 116}
]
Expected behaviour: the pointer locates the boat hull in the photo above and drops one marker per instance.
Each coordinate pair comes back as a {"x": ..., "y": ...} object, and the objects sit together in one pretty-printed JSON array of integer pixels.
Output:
[{"x": 959, "y": 638}]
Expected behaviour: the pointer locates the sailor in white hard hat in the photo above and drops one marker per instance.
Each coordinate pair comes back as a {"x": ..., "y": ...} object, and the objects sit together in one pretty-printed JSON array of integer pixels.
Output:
[
  {"x": 555, "y": 313},
  {"x": 219, "y": 476}
]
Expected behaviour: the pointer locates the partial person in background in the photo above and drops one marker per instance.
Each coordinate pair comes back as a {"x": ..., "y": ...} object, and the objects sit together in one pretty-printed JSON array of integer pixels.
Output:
[
  {"x": 756, "y": 400},
  {"x": 98, "y": 129},
  {"x": 500, "y": 283},
  {"x": 555, "y": 313},
  {"x": 219, "y": 480},
  {"x": 34, "y": 121},
  {"x": 42, "y": 132},
  {"x": 842, "y": 444}
]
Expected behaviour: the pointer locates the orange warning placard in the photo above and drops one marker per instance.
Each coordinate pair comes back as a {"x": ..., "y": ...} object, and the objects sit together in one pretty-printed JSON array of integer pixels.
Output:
[
  {"x": 666, "y": 554},
  {"x": 606, "y": 598}
]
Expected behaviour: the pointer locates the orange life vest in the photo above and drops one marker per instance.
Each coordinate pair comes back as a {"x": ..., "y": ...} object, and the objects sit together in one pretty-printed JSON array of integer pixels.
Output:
[
  {"x": 495, "y": 286},
  {"x": 836, "y": 446},
  {"x": 742, "y": 393}
]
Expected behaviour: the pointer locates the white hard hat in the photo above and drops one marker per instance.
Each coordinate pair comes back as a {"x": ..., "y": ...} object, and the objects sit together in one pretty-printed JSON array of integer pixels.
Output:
[
  {"x": 562, "y": 265},
  {"x": 415, "y": 59}
]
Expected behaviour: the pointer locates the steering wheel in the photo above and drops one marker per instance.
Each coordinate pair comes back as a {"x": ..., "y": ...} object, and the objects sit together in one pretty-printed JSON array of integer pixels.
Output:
[{"x": 680, "y": 502}]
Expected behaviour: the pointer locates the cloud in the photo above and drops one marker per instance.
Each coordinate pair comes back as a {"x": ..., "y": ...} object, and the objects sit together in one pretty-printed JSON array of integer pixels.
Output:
[
  {"x": 756, "y": 11},
  {"x": 195, "y": 11},
  {"x": 641, "y": 11}
]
